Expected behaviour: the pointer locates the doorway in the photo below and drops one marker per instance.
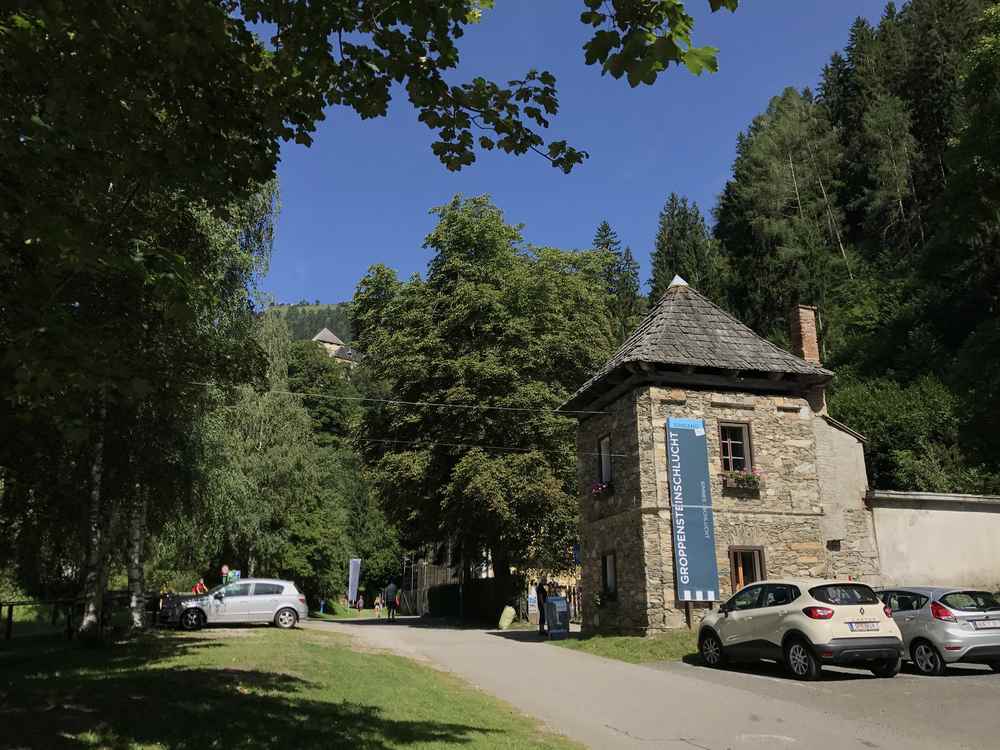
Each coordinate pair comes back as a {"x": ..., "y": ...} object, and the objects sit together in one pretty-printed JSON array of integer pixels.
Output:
[{"x": 747, "y": 566}]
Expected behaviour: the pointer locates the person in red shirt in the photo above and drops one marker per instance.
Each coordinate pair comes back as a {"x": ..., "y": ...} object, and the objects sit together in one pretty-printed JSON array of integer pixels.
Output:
[{"x": 200, "y": 587}]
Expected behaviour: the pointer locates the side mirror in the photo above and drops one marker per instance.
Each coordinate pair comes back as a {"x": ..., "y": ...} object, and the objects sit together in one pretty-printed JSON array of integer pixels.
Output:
[{"x": 219, "y": 595}]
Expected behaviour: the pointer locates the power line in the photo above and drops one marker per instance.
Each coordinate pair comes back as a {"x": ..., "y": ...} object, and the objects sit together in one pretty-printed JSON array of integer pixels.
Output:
[
  {"x": 430, "y": 443},
  {"x": 424, "y": 403}
]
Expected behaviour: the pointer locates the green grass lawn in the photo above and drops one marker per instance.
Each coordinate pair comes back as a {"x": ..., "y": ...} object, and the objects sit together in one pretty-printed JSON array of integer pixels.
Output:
[
  {"x": 670, "y": 646},
  {"x": 243, "y": 687}
]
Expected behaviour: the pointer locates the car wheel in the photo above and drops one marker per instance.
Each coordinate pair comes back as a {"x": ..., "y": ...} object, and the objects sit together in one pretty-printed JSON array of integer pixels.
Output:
[
  {"x": 710, "y": 648},
  {"x": 801, "y": 661},
  {"x": 192, "y": 619},
  {"x": 887, "y": 668},
  {"x": 927, "y": 659},
  {"x": 286, "y": 618}
]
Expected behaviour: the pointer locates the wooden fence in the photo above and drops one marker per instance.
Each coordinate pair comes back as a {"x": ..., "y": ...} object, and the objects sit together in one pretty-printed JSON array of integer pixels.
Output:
[
  {"x": 70, "y": 610},
  {"x": 416, "y": 581}
]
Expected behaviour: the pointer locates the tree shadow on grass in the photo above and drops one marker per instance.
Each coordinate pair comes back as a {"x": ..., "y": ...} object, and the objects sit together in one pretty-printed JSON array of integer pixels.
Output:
[
  {"x": 54, "y": 655},
  {"x": 82, "y": 698}
]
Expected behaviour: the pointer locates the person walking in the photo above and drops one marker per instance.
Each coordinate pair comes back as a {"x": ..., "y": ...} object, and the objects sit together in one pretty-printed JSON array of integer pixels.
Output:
[
  {"x": 200, "y": 587},
  {"x": 377, "y": 604},
  {"x": 541, "y": 594},
  {"x": 391, "y": 600}
]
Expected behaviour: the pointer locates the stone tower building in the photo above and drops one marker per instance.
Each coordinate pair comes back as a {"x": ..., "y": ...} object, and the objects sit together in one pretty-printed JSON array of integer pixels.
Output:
[{"x": 764, "y": 422}]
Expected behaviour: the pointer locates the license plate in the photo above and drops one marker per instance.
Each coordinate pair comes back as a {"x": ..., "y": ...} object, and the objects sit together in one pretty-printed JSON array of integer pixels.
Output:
[
  {"x": 857, "y": 627},
  {"x": 986, "y": 624}
]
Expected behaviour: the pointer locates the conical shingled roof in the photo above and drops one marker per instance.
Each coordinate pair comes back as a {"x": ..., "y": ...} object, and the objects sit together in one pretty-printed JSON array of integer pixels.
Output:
[
  {"x": 685, "y": 330},
  {"x": 326, "y": 336}
]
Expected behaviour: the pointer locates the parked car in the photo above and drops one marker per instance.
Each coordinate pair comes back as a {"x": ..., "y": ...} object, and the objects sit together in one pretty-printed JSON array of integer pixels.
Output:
[
  {"x": 248, "y": 600},
  {"x": 804, "y": 624},
  {"x": 944, "y": 626}
]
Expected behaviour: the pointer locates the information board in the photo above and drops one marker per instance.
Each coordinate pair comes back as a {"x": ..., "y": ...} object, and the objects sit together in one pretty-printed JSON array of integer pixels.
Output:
[{"x": 695, "y": 569}]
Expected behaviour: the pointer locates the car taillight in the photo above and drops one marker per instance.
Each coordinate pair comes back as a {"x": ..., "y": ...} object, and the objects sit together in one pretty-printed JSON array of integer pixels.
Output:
[
  {"x": 941, "y": 612},
  {"x": 302, "y": 599},
  {"x": 888, "y": 610},
  {"x": 818, "y": 613}
]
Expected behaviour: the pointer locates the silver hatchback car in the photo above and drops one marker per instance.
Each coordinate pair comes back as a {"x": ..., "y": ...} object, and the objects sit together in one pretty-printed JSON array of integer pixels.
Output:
[
  {"x": 942, "y": 626},
  {"x": 248, "y": 600}
]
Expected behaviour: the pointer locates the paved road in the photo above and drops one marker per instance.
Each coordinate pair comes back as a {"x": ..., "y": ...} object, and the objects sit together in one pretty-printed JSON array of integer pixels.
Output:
[{"x": 610, "y": 704}]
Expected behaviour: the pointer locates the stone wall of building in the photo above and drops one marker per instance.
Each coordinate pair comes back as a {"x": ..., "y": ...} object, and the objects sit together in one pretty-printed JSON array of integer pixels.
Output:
[
  {"x": 786, "y": 518},
  {"x": 782, "y": 519},
  {"x": 610, "y": 521}
]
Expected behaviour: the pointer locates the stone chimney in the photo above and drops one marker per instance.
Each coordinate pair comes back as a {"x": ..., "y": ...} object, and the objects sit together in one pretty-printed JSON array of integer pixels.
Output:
[{"x": 804, "y": 340}]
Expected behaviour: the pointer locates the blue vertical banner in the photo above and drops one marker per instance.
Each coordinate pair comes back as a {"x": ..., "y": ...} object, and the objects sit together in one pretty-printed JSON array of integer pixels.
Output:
[
  {"x": 354, "y": 574},
  {"x": 695, "y": 567}
]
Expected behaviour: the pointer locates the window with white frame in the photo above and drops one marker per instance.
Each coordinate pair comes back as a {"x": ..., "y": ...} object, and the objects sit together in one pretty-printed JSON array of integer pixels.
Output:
[{"x": 734, "y": 444}]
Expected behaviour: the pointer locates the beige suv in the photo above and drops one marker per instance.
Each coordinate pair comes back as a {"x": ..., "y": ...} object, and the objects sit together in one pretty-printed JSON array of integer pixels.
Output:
[{"x": 804, "y": 624}]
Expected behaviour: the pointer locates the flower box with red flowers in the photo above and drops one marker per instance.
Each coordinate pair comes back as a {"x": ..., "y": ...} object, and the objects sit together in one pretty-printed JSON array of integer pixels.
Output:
[
  {"x": 602, "y": 489},
  {"x": 742, "y": 482}
]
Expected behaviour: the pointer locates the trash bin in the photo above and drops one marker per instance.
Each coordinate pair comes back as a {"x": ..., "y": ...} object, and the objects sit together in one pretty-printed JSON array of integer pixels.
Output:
[{"x": 557, "y": 617}]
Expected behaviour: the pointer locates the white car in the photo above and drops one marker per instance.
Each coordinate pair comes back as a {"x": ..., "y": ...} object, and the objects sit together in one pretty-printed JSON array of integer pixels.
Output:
[
  {"x": 804, "y": 624},
  {"x": 248, "y": 600}
]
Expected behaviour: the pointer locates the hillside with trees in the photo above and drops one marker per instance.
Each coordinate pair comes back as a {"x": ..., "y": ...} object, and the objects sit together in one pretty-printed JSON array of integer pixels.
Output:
[
  {"x": 876, "y": 198},
  {"x": 305, "y": 319}
]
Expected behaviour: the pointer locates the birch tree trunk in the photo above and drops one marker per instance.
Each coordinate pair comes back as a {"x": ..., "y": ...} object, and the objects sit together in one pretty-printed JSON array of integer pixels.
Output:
[
  {"x": 829, "y": 212},
  {"x": 93, "y": 588},
  {"x": 913, "y": 192},
  {"x": 896, "y": 177},
  {"x": 136, "y": 558},
  {"x": 795, "y": 184}
]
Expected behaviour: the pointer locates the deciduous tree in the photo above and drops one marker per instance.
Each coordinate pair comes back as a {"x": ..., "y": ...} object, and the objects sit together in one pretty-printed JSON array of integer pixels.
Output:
[{"x": 493, "y": 340}]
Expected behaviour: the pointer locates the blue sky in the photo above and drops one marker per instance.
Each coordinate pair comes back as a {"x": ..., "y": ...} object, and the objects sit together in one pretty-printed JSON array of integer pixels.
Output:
[{"x": 361, "y": 193}]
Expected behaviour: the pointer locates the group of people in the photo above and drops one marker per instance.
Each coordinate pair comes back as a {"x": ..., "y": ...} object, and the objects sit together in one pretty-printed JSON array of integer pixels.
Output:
[{"x": 390, "y": 602}]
